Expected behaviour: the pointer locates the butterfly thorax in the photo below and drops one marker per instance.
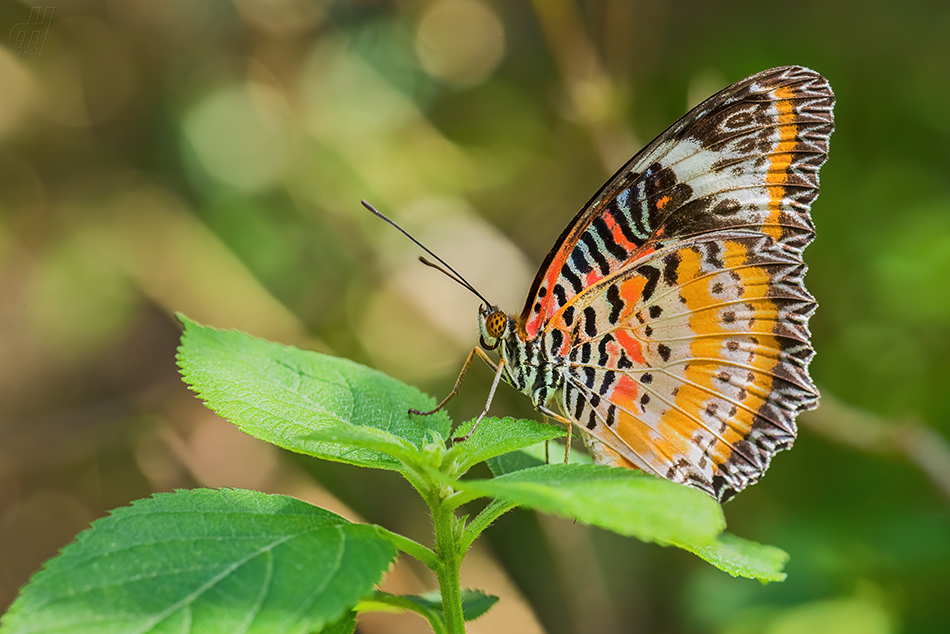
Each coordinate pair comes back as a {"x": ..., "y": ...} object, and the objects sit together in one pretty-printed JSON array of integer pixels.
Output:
[{"x": 530, "y": 366}]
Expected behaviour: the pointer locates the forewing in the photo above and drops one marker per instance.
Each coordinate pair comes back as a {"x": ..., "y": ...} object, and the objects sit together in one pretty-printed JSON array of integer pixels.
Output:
[
  {"x": 693, "y": 363},
  {"x": 746, "y": 158}
]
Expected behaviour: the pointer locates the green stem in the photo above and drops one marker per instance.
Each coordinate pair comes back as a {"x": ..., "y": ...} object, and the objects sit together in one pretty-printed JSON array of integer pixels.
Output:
[{"x": 447, "y": 571}]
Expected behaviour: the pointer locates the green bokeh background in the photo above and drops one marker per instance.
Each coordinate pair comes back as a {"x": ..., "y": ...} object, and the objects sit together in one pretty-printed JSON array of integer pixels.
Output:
[{"x": 209, "y": 157}]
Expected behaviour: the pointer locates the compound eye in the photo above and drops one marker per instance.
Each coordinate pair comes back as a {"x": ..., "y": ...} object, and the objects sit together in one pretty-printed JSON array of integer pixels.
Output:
[{"x": 495, "y": 324}]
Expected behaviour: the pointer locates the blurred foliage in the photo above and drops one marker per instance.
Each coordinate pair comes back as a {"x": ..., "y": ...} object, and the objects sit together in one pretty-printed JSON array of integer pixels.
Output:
[{"x": 209, "y": 157}]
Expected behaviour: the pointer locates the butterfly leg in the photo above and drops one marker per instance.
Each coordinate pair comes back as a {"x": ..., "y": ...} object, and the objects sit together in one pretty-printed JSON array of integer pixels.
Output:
[
  {"x": 564, "y": 421},
  {"x": 547, "y": 458},
  {"x": 567, "y": 443},
  {"x": 458, "y": 382},
  {"x": 491, "y": 396}
]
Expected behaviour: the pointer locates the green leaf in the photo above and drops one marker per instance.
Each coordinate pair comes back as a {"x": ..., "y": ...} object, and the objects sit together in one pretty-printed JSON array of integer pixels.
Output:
[
  {"x": 346, "y": 625},
  {"x": 475, "y": 603},
  {"x": 385, "y": 602},
  {"x": 743, "y": 558},
  {"x": 278, "y": 393},
  {"x": 626, "y": 502},
  {"x": 497, "y": 436},
  {"x": 205, "y": 561}
]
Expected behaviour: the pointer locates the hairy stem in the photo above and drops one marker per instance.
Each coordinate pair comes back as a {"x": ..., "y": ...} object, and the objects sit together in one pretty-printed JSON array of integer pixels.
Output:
[{"x": 450, "y": 560}]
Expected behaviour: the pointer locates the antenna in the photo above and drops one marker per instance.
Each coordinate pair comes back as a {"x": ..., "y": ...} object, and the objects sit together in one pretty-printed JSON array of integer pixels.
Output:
[{"x": 454, "y": 275}]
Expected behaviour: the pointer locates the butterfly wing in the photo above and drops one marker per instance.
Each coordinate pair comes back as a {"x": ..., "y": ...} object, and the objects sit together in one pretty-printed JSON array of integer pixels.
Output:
[
  {"x": 746, "y": 158},
  {"x": 678, "y": 291},
  {"x": 693, "y": 363}
]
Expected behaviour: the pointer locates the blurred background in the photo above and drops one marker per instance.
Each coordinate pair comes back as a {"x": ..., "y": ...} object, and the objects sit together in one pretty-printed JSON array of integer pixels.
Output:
[{"x": 209, "y": 158}]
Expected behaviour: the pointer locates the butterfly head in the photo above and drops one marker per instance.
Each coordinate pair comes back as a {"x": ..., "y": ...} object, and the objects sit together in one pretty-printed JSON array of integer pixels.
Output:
[{"x": 493, "y": 325}]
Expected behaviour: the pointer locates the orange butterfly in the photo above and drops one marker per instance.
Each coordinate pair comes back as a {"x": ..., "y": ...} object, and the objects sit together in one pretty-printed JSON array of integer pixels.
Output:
[{"x": 669, "y": 321}]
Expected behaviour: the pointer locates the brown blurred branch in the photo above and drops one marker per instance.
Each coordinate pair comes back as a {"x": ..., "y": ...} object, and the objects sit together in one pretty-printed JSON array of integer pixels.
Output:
[
  {"x": 595, "y": 98},
  {"x": 862, "y": 430}
]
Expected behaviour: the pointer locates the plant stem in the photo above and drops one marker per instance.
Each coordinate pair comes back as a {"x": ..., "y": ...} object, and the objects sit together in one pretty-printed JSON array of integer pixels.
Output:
[{"x": 450, "y": 561}]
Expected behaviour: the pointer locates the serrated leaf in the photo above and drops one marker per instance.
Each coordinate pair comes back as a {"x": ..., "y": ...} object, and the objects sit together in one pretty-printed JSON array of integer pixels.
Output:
[
  {"x": 475, "y": 603},
  {"x": 497, "y": 436},
  {"x": 386, "y": 602},
  {"x": 626, "y": 502},
  {"x": 345, "y": 625},
  {"x": 743, "y": 558},
  {"x": 278, "y": 393},
  {"x": 205, "y": 561}
]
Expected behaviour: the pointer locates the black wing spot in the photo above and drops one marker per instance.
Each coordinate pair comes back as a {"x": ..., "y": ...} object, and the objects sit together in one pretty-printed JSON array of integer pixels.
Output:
[
  {"x": 713, "y": 255},
  {"x": 664, "y": 351},
  {"x": 616, "y": 303},
  {"x": 571, "y": 277},
  {"x": 607, "y": 238},
  {"x": 593, "y": 249},
  {"x": 590, "y": 321},
  {"x": 591, "y": 420},
  {"x": 670, "y": 264},
  {"x": 602, "y": 349},
  {"x": 589, "y": 375},
  {"x": 557, "y": 339},
  {"x": 579, "y": 260},
  {"x": 569, "y": 316},
  {"x": 653, "y": 276}
]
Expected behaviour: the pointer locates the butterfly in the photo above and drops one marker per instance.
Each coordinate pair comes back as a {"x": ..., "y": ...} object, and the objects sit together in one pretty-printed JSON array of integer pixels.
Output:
[{"x": 669, "y": 321}]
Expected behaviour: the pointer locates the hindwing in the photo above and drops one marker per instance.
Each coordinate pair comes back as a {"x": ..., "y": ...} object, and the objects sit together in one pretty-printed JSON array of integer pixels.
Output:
[{"x": 693, "y": 363}]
